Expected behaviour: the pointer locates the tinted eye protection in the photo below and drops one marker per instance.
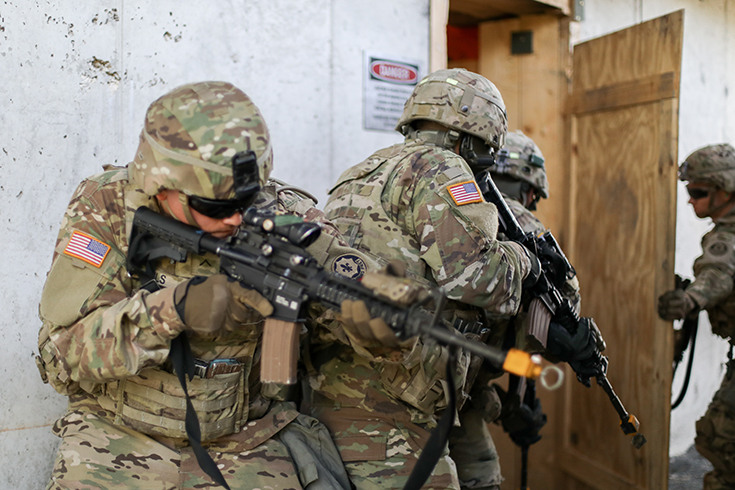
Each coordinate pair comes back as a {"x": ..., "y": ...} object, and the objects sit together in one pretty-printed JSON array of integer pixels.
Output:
[
  {"x": 697, "y": 193},
  {"x": 219, "y": 208}
]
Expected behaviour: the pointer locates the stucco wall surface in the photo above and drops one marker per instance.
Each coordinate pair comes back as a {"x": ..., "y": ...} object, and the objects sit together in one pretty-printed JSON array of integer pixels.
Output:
[
  {"x": 706, "y": 111},
  {"x": 76, "y": 80}
]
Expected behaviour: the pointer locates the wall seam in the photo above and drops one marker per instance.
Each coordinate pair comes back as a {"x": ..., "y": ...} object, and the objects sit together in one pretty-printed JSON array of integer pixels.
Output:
[
  {"x": 120, "y": 43},
  {"x": 726, "y": 44},
  {"x": 331, "y": 168}
]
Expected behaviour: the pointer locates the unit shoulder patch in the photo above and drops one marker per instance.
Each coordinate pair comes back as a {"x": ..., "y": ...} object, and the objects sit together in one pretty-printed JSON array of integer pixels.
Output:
[
  {"x": 465, "y": 193},
  {"x": 87, "y": 248},
  {"x": 349, "y": 265}
]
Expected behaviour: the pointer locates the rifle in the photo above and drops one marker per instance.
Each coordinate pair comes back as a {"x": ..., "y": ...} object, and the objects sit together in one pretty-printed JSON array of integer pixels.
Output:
[
  {"x": 548, "y": 302},
  {"x": 685, "y": 336},
  {"x": 268, "y": 254}
]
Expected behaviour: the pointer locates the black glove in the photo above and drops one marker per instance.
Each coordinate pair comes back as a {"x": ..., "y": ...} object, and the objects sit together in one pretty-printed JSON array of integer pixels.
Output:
[
  {"x": 580, "y": 349},
  {"x": 553, "y": 263},
  {"x": 676, "y": 304},
  {"x": 522, "y": 421}
]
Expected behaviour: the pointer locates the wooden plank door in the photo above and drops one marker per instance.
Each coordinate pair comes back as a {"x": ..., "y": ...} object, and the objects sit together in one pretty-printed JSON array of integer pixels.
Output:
[
  {"x": 535, "y": 87},
  {"x": 610, "y": 148},
  {"x": 624, "y": 119}
]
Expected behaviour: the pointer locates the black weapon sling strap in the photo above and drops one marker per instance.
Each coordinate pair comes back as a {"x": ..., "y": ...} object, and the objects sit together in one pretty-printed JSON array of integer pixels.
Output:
[
  {"x": 141, "y": 255},
  {"x": 690, "y": 325}
]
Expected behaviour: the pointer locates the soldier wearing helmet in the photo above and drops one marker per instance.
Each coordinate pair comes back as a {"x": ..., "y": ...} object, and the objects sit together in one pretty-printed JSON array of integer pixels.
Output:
[
  {"x": 710, "y": 176},
  {"x": 519, "y": 170},
  {"x": 520, "y": 175},
  {"x": 106, "y": 335},
  {"x": 417, "y": 203}
]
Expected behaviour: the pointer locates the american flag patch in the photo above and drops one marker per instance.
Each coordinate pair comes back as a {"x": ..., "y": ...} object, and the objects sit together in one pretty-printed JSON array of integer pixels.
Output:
[
  {"x": 89, "y": 249},
  {"x": 465, "y": 193}
]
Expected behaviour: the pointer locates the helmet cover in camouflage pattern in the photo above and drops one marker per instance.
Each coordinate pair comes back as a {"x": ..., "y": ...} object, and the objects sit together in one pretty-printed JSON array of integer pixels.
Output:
[
  {"x": 461, "y": 100},
  {"x": 713, "y": 164},
  {"x": 522, "y": 159},
  {"x": 190, "y": 136}
]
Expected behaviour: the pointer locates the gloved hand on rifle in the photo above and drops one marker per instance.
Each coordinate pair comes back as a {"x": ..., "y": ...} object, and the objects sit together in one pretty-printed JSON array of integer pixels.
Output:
[
  {"x": 676, "y": 304},
  {"x": 522, "y": 421},
  {"x": 366, "y": 331},
  {"x": 218, "y": 304},
  {"x": 553, "y": 263},
  {"x": 547, "y": 260},
  {"x": 581, "y": 349}
]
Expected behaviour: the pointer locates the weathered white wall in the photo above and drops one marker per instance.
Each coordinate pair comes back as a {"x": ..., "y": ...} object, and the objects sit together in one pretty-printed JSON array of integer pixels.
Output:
[
  {"x": 706, "y": 112},
  {"x": 76, "y": 80}
]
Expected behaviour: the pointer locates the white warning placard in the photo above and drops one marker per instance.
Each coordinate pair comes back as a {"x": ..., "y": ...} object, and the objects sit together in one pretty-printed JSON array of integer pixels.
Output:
[{"x": 389, "y": 81}]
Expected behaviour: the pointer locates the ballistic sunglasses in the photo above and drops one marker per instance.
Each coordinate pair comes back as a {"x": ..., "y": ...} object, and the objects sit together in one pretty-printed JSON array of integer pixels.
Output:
[
  {"x": 245, "y": 173},
  {"x": 698, "y": 193},
  {"x": 219, "y": 208}
]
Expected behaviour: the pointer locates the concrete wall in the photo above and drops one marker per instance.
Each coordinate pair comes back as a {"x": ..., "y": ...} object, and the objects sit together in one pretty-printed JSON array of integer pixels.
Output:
[
  {"x": 76, "y": 80},
  {"x": 706, "y": 116}
]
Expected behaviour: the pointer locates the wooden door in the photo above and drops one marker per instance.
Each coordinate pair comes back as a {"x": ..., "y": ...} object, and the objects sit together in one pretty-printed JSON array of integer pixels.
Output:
[
  {"x": 535, "y": 87},
  {"x": 611, "y": 151},
  {"x": 624, "y": 130}
]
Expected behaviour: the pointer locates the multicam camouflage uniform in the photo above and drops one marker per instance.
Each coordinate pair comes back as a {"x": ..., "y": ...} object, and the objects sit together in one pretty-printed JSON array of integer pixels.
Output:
[
  {"x": 712, "y": 290},
  {"x": 418, "y": 203},
  {"x": 471, "y": 445},
  {"x": 105, "y": 341}
]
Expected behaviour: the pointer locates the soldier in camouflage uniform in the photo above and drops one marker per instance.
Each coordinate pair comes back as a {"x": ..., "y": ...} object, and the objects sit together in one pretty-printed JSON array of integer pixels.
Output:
[
  {"x": 710, "y": 173},
  {"x": 105, "y": 338},
  {"x": 520, "y": 176},
  {"x": 418, "y": 203}
]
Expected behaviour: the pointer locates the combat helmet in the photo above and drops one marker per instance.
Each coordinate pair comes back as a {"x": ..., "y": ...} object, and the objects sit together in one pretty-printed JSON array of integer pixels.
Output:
[
  {"x": 713, "y": 164},
  {"x": 189, "y": 140},
  {"x": 522, "y": 159},
  {"x": 461, "y": 100}
]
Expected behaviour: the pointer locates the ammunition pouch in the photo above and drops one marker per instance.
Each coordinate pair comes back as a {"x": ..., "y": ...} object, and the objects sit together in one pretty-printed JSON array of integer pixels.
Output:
[
  {"x": 420, "y": 379},
  {"x": 154, "y": 403}
]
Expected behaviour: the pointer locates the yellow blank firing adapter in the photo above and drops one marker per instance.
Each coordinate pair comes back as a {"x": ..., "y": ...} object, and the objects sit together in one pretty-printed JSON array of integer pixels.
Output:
[{"x": 524, "y": 364}]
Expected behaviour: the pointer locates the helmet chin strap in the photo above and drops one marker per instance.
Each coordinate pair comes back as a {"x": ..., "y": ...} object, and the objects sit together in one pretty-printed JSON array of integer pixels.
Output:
[
  {"x": 187, "y": 210},
  {"x": 184, "y": 205}
]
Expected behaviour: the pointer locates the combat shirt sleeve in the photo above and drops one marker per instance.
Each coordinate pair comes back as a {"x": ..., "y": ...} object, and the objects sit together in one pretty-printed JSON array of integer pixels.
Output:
[
  {"x": 335, "y": 255},
  {"x": 714, "y": 269},
  {"x": 99, "y": 329},
  {"x": 330, "y": 249},
  {"x": 457, "y": 232}
]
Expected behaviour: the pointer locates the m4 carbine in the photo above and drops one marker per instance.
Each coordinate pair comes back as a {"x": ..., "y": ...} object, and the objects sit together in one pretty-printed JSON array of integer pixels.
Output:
[
  {"x": 268, "y": 254},
  {"x": 549, "y": 308}
]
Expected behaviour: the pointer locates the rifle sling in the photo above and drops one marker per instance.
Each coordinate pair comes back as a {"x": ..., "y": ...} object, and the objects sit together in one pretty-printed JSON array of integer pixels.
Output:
[
  {"x": 183, "y": 362},
  {"x": 139, "y": 253},
  {"x": 693, "y": 326}
]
